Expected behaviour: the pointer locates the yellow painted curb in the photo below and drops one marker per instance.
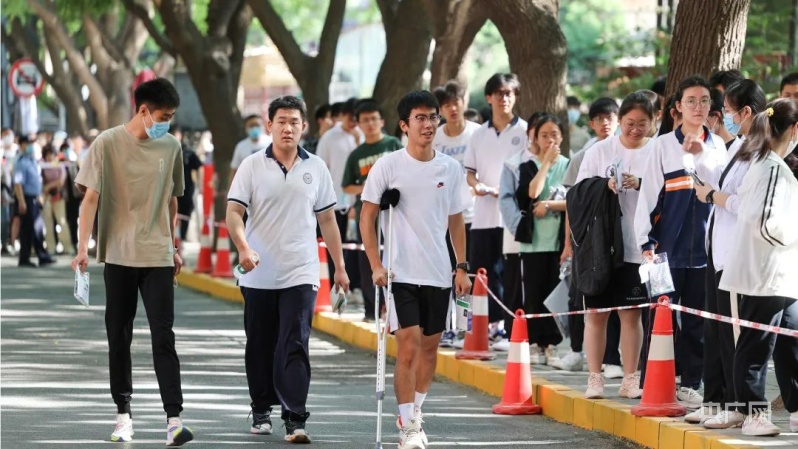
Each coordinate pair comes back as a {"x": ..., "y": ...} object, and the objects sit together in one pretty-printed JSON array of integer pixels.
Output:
[{"x": 559, "y": 402}]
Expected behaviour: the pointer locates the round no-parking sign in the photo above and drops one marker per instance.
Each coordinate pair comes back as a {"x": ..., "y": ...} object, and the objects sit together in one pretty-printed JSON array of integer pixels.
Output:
[{"x": 25, "y": 79}]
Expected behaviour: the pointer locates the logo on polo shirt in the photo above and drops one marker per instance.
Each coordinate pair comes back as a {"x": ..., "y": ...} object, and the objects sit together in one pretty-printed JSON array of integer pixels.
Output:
[
  {"x": 440, "y": 184},
  {"x": 516, "y": 140},
  {"x": 307, "y": 178}
]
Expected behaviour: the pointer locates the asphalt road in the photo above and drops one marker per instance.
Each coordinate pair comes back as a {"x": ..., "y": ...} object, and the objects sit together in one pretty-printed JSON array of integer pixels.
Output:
[{"x": 54, "y": 381}]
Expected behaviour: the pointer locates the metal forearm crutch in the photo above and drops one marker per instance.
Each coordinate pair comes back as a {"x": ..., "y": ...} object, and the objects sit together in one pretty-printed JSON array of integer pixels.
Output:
[{"x": 389, "y": 200}]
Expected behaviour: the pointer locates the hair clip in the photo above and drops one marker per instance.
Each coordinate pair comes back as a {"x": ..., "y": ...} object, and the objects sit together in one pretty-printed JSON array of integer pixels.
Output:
[{"x": 769, "y": 111}]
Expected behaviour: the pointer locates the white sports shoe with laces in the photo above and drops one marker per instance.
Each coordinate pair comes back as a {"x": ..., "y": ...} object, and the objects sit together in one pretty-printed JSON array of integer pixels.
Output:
[
  {"x": 417, "y": 415},
  {"x": 410, "y": 436},
  {"x": 123, "y": 431},
  {"x": 176, "y": 433},
  {"x": 759, "y": 425},
  {"x": 595, "y": 386}
]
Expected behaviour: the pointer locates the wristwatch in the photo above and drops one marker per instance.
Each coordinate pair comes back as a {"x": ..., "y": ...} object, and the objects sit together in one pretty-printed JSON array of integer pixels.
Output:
[
  {"x": 463, "y": 266},
  {"x": 709, "y": 198}
]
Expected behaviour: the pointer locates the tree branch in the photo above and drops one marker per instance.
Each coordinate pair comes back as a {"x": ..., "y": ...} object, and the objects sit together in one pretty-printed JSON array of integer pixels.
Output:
[
  {"x": 283, "y": 39},
  {"x": 389, "y": 10},
  {"x": 328, "y": 43},
  {"x": 237, "y": 34},
  {"x": 99, "y": 54},
  {"x": 144, "y": 15},
  {"x": 220, "y": 14},
  {"x": 27, "y": 45}
]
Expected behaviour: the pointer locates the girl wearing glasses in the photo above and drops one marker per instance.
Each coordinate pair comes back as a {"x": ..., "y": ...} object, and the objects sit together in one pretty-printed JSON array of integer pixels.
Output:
[
  {"x": 626, "y": 153},
  {"x": 669, "y": 219}
]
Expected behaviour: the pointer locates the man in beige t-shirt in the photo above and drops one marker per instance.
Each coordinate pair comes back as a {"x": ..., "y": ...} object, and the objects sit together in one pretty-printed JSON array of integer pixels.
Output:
[{"x": 133, "y": 175}]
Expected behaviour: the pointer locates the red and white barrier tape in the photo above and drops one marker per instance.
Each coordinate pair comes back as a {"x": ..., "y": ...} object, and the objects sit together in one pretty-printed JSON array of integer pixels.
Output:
[{"x": 701, "y": 313}]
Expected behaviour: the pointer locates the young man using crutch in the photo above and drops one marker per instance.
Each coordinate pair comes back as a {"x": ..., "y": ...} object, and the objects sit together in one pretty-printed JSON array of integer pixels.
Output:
[{"x": 433, "y": 197}]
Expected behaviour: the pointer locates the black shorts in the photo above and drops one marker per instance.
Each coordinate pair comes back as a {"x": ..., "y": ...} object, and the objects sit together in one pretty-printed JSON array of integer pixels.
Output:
[
  {"x": 624, "y": 289},
  {"x": 421, "y": 305}
]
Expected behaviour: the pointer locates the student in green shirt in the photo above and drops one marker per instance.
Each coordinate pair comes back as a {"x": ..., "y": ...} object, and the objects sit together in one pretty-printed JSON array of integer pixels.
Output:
[{"x": 369, "y": 118}]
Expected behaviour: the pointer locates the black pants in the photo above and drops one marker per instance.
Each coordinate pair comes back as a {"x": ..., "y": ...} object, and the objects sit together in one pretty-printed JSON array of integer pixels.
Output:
[
  {"x": 612, "y": 356},
  {"x": 366, "y": 283},
  {"x": 72, "y": 213},
  {"x": 185, "y": 206},
  {"x": 755, "y": 347},
  {"x": 576, "y": 323},
  {"x": 122, "y": 285},
  {"x": 718, "y": 362},
  {"x": 541, "y": 274},
  {"x": 350, "y": 257},
  {"x": 277, "y": 358},
  {"x": 31, "y": 232},
  {"x": 513, "y": 293},
  {"x": 486, "y": 252}
]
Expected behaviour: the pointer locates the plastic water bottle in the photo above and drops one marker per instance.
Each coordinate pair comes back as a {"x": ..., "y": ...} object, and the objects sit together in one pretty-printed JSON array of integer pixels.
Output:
[{"x": 239, "y": 270}]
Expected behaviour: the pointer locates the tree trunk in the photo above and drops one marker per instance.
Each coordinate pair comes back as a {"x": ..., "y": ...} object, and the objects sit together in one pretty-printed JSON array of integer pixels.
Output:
[
  {"x": 408, "y": 35},
  {"x": 537, "y": 51},
  {"x": 312, "y": 73},
  {"x": 700, "y": 26},
  {"x": 794, "y": 35},
  {"x": 456, "y": 23}
]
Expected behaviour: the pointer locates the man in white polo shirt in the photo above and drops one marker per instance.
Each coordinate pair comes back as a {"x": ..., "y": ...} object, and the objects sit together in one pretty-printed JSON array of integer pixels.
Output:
[
  {"x": 493, "y": 143},
  {"x": 432, "y": 201},
  {"x": 285, "y": 190}
]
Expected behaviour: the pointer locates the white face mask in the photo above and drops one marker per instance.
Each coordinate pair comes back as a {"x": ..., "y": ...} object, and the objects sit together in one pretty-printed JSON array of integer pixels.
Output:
[
  {"x": 8, "y": 140},
  {"x": 793, "y": 143}
]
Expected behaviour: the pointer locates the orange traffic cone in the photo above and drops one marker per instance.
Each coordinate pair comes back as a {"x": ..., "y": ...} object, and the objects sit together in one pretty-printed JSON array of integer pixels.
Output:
[
  {"x": 204, "y": 262},
  {"x": 476, "y": 346},
  {"x": 517, "y": 395},
  {"x": 659, "y": 387},
  {"x": 223, "y": 267},
  {"x": 323, "y": 303}
]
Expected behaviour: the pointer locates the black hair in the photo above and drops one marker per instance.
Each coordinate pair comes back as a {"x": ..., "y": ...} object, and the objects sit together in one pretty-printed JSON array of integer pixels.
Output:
[
  {"x": 416, "y": 99},
  {"x": 156, "y": 94},
  {"x": 792, "y": 78},
  {"x": 5, "y": 129},
  {"x": 546, "y": 118},
  {"x": 603, "y": 105},
  {"x": 367, "y": 106},
  {"x": 471, "y": 114},
  {"x": 667, "y": 120},
  {"x": 253, "y": 117},
  {"x": 725, "y": 78},
  {"x": 348, "y": 107},
  {"x": 486, "y": 113},
  {"x": 659, "y": 86},
  {"x": 287, "y": 102},
  {"x": 572, "y": 101},
  {"x": 532, "y": 120},
  {"x": 335, "y": 108},
  {"x": 770, "y": 127},
  {"x": 637, "y": 100},
  {"x": 64, "y": 148},
  {"x": 48, "y": 150},
  {"x": 451, "y": 91},
  {"x": 653, "y": 98},
  {"x": 717, "y": 101},
  {"x": 746, "y": 93},
  {"x": 498, "y": 80},
  {"x": 321, "y": 111},
  {"x": 691, "y": 81}
]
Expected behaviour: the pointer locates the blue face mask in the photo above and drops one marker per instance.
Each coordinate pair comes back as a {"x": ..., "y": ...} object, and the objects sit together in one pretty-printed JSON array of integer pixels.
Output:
[
  {"x": 30, "y": 149},
  {"x": 573, "y": 116},
  {"x": 728, "y": 122},
  {"x": 158, "y": 129},
  {"x": 254, "y": 132}
]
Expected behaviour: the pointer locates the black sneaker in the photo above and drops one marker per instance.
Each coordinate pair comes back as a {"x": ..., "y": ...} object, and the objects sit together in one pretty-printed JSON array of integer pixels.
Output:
[
  {"x": 295, "y": 428},
  {"x": 261, "y": 423}
]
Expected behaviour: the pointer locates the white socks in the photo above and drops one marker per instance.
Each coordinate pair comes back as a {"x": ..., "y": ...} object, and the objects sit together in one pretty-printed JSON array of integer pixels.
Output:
[
  {"x": 419, "y": 399},
  {"x": 406, "y": 413}
]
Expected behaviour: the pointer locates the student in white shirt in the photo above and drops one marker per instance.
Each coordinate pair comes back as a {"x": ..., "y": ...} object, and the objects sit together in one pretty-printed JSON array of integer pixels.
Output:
[
  {"x": 493, "y": 143},
  {"x": 629, "y": 153},
  {"x": 286, "y": 191},
  {"x": 762, "y": 271},
  {"x": 255, "y": 141},
  {"x": 432, "y": 200},
  {"x": 743, "y": 101}
]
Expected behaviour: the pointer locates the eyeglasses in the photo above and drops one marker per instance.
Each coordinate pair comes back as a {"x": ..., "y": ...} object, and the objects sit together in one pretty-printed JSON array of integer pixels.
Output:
[
  {"x": 424, "y": 119},
  {"x": 642, "y": 126},
  {"x": 692, "y": 103},
  {"x": 504, "y": 93}
]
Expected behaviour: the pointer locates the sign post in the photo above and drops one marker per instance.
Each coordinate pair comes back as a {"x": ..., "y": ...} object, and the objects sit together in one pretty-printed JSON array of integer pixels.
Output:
[{"x": 25, "y": 79}]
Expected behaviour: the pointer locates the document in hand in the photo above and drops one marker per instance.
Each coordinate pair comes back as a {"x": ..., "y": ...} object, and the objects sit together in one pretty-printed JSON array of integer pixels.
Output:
[{"x": 82, "y": 287}]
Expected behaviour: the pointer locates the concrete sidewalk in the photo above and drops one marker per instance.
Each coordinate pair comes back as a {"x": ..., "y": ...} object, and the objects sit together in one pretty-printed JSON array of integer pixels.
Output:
[{"x": 559, "y": 392}]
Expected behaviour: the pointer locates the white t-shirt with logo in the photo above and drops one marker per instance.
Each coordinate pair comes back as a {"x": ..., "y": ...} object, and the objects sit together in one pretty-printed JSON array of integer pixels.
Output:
[
  {"x": 334, "y": 148},
  {"x": 598, "y": 161},
  {"x": 429, "y": 192},
  {"x": 248, "y": 147},
  {"x": 282, "y": 208},
  {"x": 456, "y": 148},
  {"x": 485, "y": 156}
]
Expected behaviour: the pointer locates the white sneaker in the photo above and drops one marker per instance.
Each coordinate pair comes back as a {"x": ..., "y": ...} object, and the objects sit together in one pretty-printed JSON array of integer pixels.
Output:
[
  {"x": 537, "y": 356},
  {"x": 573, "y": 361},
  {"x": 725, "y": 419},
  {"x": 700, "y": 415},
  {"x": 124, "y": 428},
  {"x": 459, "y": 341},
  {"x": 420, "y": 417},
  {"x": 503, "y": 345},
  {"x": 613, "y": 372},
  {"x": 630, "y": 387},
  {"x": 595, "y": 386},
  {"x": 177, "y": 434},
  {"x": 690, "y": 398},
  {"x": 551, "y": 355},
  {"x": 759, "y": 425},
  {"x": 793, "y": 423},
  {"x": 410, "y": 436}
]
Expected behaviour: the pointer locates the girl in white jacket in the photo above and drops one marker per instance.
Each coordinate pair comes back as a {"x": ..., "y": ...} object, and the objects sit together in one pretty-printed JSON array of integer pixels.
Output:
[{"x": 765, "y": 248}]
